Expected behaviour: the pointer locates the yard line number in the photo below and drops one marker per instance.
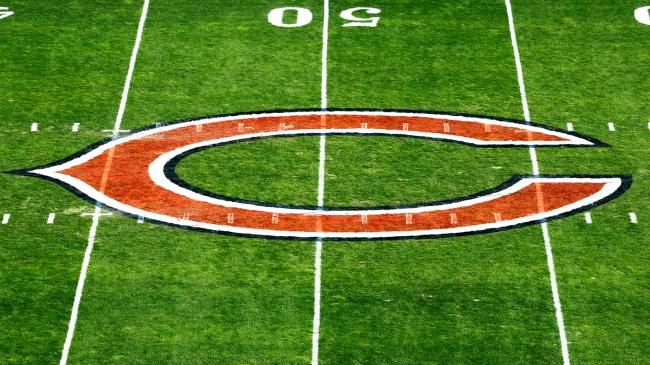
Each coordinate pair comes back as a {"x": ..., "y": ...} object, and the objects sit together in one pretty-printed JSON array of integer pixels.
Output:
[
  {"x": 642, "y": 15},
  {"x": 4, "y": 12},
  {"x": 304, "y": 16}
]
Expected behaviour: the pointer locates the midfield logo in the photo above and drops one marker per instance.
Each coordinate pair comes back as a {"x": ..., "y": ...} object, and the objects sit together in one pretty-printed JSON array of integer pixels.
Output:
[{"x": 136, "y": 175}]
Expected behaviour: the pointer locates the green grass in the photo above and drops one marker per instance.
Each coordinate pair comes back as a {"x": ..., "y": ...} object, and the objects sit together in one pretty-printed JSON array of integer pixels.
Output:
[
  {"x": 274, "y": 170},
  {"x": 157, "y": 294}
]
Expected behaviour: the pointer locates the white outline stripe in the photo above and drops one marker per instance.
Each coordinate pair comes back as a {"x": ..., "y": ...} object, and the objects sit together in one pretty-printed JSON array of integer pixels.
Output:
[
  {"x": 533, "y": 157},
  {"x": 97, "y": 213}
]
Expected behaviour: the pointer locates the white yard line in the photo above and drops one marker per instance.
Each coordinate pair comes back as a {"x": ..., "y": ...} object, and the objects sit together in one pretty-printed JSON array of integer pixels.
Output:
[
  {"x": 323, "y": 85},
  {"x": 80, "y": 285},
  {"x": 321, "y": 191},
  {"x": 98, "y": 211},
  {"x": 533, "y": 158},
  {"x": 129, "y": 74}
]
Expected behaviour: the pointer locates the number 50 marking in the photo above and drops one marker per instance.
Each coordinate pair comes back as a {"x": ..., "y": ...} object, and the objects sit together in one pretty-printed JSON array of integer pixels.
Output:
[
  {"x": 642, "y": 15},
  {"x": 305, "y": 16}
]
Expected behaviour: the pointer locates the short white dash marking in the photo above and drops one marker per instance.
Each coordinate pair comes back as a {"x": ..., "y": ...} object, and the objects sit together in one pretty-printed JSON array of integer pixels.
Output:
[
  {"x": 488, "y": 127},
  {"x": 5, "y": 218},
  {"x": 405, "y": 126},
  {"x": 186, "y": 216},
  {"x": 364, "y": 219},
  {"x": 34, "y": 127},
  {"x": 497, "y": 217},
  {"x": 231, "y": 218},
  {"x": 140, "y": 219},
  {"x": 93, "y": 214},
  {"x": 240, "y": 127},
  {"x": 409, "y": 218},
  {"x": 275, "y": 219},
  {"x": 611, "y": 127},
  {"x": 588, "y": 218},
  {"x": 569, "y": 127},
  {"x": 648, "y": 125},
  {"x": 283, "y": 126},
  {"x": 454, "y": 218},
  {"x": 199, "y": 127},
  {"x": 446, "y": 127},
  {"x": 75, "y": 127},
  {"x": 633, "y": 218},
  {"x": 364, "y": 125},
  {"x": 50, "y": 218}
]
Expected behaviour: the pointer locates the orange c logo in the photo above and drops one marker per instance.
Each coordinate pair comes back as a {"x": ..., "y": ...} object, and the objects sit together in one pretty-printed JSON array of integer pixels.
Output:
[{"x": 140, "y": 180}]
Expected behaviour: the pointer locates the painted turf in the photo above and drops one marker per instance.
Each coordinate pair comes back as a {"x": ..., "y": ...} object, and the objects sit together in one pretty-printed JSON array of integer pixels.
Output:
[{"x": 145, "y": 163}]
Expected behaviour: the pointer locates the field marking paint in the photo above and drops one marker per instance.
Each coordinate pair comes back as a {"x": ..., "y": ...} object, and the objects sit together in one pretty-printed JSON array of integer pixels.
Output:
[
  {"x": 97, "y": 213},
  {"x": 453, "y": 218},
  {"x": 34, "y": 127},
  {"x": 93, "y": 214},
  {"x": 588, "y": 218},
  {"x": 129, "y": 74},
  {"x": 642, "y": 15},
  {"x": 497, "y": 217},
  {"x": 569, "y": 127},
  {"x": 231, "y": 218},
  {"x": 318, "y": 254},
  {"x": 533, "y": 156},
  {"x": 75, "y": 127},
  {"x": 5, "y": 218},
  {"x": 112, "y": 131},
  {"x": 80, "y": 284},
  {"x": 158, "y": 148},
  {"x": 633, "y": 218},
  {"x": 316, "y": 323},
  {"x": 4, "y": 12},
  {"x": 50, "y": 218},
  {"x": 140, "y": 219},
  {"x": 611, "y": 127}
]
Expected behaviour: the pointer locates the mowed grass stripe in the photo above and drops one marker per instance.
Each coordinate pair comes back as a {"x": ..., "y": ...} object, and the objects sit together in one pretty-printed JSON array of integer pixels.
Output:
[
  {"x": 584, "y": 64},
  {"x": 408, "y": 301},
  {"x": 179, "y": 296},
  {"x": 59, "y": 65}
]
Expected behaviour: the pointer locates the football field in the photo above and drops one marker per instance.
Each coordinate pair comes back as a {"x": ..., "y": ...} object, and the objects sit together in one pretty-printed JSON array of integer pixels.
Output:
[{"x": 324, "y": 182}]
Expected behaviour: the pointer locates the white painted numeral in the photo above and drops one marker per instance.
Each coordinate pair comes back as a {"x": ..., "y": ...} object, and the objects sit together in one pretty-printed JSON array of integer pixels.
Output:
[
  {"x": 355, "y": 21},
  {"x": 304, "y": 17},
  {"x": 642, "y": 15},
  {"x": 4, "y": 12}
]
